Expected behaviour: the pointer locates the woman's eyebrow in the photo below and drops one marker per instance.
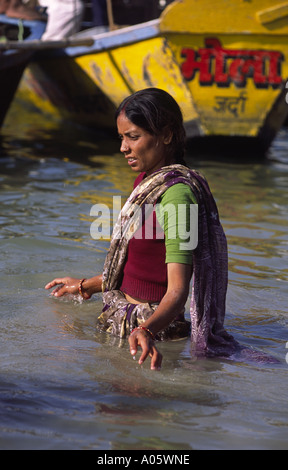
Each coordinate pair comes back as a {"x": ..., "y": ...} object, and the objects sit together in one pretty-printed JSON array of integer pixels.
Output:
[{"x": 128, "y": 133}]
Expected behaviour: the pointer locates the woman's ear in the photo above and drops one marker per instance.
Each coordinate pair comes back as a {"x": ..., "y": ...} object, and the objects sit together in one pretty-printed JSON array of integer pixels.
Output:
[{"x": 167, "y": 136}]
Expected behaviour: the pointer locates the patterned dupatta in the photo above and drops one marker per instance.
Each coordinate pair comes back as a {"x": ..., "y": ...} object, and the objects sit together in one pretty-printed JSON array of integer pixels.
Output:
[{"x": 210, "y": 260}]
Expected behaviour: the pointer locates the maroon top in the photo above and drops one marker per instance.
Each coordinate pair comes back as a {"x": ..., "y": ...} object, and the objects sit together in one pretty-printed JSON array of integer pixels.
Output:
[{"x": 145, "y": 271}]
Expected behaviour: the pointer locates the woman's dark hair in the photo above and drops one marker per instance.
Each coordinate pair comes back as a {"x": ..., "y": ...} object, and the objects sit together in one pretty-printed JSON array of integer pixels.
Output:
[{"x": 156, "y": 111}]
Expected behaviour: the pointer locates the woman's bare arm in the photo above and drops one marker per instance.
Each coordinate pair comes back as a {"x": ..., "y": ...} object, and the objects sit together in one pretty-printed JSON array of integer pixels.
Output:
[{"x": 171, "y": 305}]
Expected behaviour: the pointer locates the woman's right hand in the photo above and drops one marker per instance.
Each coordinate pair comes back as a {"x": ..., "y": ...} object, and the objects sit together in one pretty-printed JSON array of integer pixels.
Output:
[
  {"x": 64, "y": 285},
  {"x": 139, "y": 337}
]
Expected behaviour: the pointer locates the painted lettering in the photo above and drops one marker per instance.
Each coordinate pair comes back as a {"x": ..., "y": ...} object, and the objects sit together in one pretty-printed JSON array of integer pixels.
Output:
[
  {"x": 222, "y": 66},
  {"x": 234, "y": 105}
]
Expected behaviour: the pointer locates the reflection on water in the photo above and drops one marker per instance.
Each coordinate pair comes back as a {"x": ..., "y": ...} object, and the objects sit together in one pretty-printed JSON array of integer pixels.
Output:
[{"x": 65, "y": 385}]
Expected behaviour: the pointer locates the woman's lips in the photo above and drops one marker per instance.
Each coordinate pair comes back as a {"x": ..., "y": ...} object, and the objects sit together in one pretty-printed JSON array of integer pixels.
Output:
[{"x": 131, "y": 160}]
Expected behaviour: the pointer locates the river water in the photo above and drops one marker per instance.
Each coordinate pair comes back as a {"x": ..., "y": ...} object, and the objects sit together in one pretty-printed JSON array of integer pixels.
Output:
[{"x": 65, "y": 385}]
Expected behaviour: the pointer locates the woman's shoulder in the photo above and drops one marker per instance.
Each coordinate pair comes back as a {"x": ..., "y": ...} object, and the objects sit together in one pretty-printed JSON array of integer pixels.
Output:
[{"x": 178, "y": 193}]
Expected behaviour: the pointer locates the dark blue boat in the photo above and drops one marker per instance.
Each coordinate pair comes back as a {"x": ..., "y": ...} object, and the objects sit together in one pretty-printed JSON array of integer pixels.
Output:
[{"x": 12, "y": 61}]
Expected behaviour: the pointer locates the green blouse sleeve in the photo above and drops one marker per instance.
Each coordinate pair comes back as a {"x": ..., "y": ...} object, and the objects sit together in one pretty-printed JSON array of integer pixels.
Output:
[{"x": 178, "y": 216}]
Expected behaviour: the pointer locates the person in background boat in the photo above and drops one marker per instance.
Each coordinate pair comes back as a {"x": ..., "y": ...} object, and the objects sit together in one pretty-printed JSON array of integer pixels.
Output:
[
  {"x": 21, "y": 10},
  {"x": 64, "y": 18},
  {"x": 146, "y": 278},
  {"x": 99, "y": 11}
]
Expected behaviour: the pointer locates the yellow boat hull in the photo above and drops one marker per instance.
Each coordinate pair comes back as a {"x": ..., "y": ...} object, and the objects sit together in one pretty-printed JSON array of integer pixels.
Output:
[{"x": 226, "y": 64}]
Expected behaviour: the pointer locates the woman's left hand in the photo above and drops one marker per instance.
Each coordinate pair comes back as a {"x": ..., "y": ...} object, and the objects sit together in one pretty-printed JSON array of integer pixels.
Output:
[{"x": 146, "y": 343}]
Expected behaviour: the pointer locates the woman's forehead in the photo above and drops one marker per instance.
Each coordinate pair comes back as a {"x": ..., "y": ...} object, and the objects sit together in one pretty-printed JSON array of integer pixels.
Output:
[{"x": 125, "y": 125}]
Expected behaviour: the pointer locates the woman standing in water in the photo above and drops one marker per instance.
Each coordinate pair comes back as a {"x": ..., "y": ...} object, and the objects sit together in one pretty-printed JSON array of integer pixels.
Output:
[{"x": 145, "y": 280}]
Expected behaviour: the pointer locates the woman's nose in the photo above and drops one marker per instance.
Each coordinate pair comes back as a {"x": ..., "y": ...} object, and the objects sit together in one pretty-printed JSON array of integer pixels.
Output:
[{"x": 124, "y": 147}]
